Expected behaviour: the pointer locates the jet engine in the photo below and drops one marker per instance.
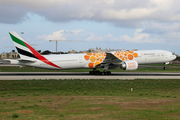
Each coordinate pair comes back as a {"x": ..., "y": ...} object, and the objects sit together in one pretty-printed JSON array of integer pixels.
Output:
[{"x": 129, "y": 65}]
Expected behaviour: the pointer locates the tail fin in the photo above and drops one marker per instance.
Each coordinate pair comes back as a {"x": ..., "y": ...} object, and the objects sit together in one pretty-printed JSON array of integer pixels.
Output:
[{"x": 26, "y": 51}]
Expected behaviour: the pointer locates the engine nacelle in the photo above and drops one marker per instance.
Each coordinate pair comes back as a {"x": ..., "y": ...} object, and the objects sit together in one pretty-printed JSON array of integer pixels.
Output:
[{"x": 129, "y": 65}]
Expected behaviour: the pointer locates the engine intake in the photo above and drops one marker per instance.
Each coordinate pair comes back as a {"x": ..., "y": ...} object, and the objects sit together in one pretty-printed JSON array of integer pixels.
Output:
[{"x": 129, "y": 65}]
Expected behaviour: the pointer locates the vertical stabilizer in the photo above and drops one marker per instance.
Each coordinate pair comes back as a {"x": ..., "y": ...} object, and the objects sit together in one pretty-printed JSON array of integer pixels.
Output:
[{"x": 26, "y": 51}]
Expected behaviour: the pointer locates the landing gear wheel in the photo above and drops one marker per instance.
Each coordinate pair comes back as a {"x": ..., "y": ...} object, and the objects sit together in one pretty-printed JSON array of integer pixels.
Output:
[
  {"x": 95, "y": 72},
  {"x": 107, "y": 73},
  {"x": 165, "y": 68},
  {"x": 166, "y": 63},
  {"x": 91, "y": 72}
]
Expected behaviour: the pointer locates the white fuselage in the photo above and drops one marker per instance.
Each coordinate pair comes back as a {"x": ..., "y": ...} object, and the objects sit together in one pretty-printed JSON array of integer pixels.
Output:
[
  {"x": 154, "y": 56},
  {"x": 85, "y": 60}
]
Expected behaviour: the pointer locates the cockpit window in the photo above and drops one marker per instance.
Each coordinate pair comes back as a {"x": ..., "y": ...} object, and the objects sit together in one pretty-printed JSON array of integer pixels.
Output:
[{"x": 173, "y": 53}]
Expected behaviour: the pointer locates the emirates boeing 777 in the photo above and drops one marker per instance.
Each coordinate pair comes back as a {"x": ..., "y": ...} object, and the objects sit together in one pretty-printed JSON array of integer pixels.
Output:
[{"x": 127, "y": 60}]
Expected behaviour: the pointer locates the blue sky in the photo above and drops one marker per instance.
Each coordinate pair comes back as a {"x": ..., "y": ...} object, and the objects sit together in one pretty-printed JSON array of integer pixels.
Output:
[{"x": 115, "y": 24}]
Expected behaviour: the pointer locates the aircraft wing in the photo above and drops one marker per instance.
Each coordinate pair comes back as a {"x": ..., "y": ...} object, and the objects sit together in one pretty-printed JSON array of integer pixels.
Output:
[{"x": 110, "y": 62}]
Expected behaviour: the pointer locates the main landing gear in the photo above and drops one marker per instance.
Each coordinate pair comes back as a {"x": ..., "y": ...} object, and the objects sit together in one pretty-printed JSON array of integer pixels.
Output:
[
  {"x": 97, "y": 72},
  {"x": 166, "y": 63}
]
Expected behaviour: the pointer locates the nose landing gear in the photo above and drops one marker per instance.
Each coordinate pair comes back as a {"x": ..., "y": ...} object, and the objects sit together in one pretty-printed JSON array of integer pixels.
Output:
[
  {"x": 165, "y": 68},
  {"x": 166, "y": 63}
]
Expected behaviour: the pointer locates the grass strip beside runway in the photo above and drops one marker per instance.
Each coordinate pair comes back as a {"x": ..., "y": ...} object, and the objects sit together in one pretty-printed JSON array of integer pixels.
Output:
[
  {"x": 90, "y": 99},
  {"x": 157, "y": 68}
]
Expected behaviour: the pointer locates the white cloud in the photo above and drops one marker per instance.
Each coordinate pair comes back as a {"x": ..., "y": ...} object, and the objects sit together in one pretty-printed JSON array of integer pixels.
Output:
[
  {"x": 165, "y": 32},
  {"x": 60, "y": 35},
  {"x": 143, "y": 35},
  {"x": 94, "y": 37},
  {"x": 114, "y": 11},
  {"x": 157, "y": 27},
  {"x": 139, "y": 37}
]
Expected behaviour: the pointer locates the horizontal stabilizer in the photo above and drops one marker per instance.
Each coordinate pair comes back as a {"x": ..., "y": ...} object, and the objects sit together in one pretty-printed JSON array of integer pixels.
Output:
[
  {"x": 26, "y": 61},
  {"x": 19, "y": 61}
]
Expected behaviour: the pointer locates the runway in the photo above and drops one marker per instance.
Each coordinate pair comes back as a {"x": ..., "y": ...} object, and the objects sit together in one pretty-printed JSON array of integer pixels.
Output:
[{"x": 85, "y": 75}]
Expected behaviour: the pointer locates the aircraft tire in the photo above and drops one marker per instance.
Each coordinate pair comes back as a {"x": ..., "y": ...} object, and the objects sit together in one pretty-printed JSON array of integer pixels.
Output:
[
  {"x": 97, "y": 72},
  {"x": 109, "y": 72},
  {"x": 91, "y": 72},
  {"x": 165, "y": 68}
]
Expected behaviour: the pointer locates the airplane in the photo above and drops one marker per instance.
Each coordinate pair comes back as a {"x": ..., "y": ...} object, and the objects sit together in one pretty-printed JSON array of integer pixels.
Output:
[{"x": 127, "y": 60}]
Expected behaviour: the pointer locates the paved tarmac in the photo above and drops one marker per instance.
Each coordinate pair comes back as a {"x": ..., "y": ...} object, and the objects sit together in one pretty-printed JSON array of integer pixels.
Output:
[{"x": 85, "y": 75}]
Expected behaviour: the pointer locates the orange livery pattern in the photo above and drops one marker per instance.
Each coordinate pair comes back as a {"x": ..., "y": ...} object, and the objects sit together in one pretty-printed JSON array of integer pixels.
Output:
[{"x": 97, "y": 58}]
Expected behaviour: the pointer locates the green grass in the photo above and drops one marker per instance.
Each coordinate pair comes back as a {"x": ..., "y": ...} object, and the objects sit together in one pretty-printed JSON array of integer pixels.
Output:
[
  {"x": 31, "y": 69},
  {"x": 90, "y": 99}
]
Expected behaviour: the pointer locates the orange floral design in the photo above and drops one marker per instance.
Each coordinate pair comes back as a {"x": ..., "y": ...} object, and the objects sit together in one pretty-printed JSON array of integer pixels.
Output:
[
  {"x": 97, "y": 58},
  {"x": 126, "y": 55}
]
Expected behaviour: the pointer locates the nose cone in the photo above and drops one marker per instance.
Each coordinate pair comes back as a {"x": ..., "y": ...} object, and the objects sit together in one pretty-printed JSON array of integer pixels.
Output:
[
  {"x": 174, "y": 57},
  {"x": 171, "y": 56}
]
